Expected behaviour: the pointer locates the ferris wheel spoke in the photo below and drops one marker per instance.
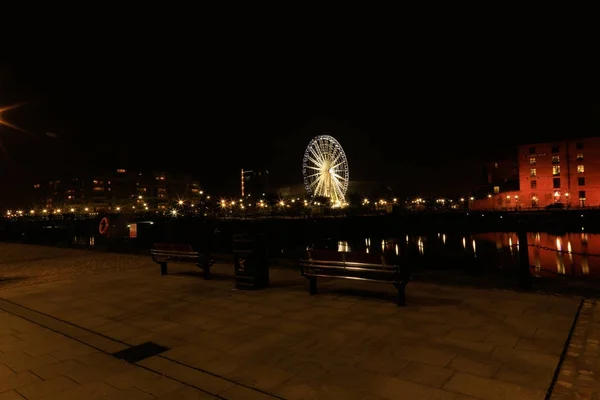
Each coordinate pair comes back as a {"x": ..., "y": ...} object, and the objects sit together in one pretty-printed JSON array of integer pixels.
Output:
[
  {"x": 315, "y": 168},
  {"x": 334, "y": 166},
  {"x": 319, "y": 184},
  {"x": 337, "y": 157},
  {"x": 338, "y": 187},
  {"x": 338, "y": 176},
  {"x": 320, "y": 154},
  {"x": 317, "y": 155},
  {"x": 314, "y": 161}
]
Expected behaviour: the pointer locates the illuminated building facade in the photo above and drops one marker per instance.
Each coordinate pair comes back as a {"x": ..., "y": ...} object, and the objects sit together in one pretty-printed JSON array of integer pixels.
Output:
[
  {"x": 118, "y": 190},
  {"x": 566, "y": 172}
]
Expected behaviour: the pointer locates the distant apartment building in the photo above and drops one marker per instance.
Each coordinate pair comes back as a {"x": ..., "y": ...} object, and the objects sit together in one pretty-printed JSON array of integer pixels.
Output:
[
  {"x": 119, "y": 189},
  {"x": 254, "y": 183},
  {"x": 566, "y": 172}
]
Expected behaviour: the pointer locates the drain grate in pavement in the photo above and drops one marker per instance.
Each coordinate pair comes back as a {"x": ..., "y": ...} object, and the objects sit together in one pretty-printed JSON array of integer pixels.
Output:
[{"x": 140, "y": 352}]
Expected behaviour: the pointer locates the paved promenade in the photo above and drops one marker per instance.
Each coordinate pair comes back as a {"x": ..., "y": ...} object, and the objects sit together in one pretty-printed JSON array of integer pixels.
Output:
[{"x": 64, "y": 313}]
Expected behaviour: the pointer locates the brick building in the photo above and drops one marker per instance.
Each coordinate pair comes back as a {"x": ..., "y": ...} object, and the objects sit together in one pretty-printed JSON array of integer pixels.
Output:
[{"x": 566, "y": 172}]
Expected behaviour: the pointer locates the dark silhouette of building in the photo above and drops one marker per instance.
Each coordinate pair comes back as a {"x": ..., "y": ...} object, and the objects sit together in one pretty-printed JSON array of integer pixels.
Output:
[{"x": 254, "y": 183}]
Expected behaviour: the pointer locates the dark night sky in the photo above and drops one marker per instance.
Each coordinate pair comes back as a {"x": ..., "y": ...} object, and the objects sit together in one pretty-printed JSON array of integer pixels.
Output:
[{"x": 416, "y": 125}]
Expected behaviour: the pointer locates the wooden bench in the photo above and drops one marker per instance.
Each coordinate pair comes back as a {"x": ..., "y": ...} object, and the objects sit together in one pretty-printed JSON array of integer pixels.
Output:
[
  {"x": 164, "y": 253},
  {"x": 355, "y": 266}
]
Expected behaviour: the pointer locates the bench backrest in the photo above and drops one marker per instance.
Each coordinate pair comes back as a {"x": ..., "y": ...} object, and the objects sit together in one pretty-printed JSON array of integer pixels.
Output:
[
  {"x": 348, "y": 258},
  {"x": 174, "y": 247},
  {"x": 325, "y": 255},
  {"x": 365, "y": 258}
]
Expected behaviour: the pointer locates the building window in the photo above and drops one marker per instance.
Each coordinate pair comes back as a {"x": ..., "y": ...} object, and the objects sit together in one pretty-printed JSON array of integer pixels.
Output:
[
  {"x": 555, "y": 170},
  {"x": 579, "y": 156},
  {"x": 579, "y": 146},
  {"x": 36, "y": 186},
  {"x": 534, "y": 184},
  {"x": 580, "y": 169},
  {"x": 555, "y": 148},
  {"x": 556, "y": 183},
  {"x": 121, "y": 171},
  {"x": 532, "y": 161},
  {"x": 98, "y": 189},
  {"x": 496, "y": 189},
  {"x": 532, "y": 172},
  {"x": 582, "y": 195},
  {"x": 495, "y": 166},
  {"x": 555, "y": 159},
  {"x": 532, "y": 150},
  {"x": 581, "y": 181}
]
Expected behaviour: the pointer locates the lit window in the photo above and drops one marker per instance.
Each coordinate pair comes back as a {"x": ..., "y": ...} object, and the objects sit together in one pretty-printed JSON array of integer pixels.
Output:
[
  {"x": 495, "y": 165},
  {"x": 556, "y": 170},
  {"x": 555, "y": 159},
  {"x": 496, "y": 189},
  {"x": 579, "y": 156},
  {"x": 532, "y": 172},
  {"x": 120, "y": 171},
  {"x": 580, "y": 169},
  {"x": 532, "y": 160},
  {"x": 98, "y": 189}
]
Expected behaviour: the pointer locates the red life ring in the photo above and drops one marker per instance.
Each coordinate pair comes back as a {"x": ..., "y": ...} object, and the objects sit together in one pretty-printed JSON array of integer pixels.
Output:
[{"x": 103, "y": 228}]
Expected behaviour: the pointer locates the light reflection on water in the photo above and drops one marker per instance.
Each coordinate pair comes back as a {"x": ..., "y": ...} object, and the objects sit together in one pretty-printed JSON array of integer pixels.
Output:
[{"x": 550, "y": 255}]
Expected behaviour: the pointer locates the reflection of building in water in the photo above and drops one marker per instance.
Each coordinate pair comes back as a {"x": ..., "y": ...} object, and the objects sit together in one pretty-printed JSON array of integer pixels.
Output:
[{"x": 551, "y": 254}]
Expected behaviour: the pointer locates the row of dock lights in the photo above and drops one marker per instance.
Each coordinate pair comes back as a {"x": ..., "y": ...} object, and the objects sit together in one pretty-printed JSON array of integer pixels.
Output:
[
  {"x": 381, "y": 201},
  {"x": 45, "y": 211},
  {"x": 281, "y": 203}
]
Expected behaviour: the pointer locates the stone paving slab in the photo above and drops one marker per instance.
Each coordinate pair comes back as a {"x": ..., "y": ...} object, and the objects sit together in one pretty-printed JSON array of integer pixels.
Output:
[
  {"x": 350, "y": 341},
  {"x": 36, "y": 362}
]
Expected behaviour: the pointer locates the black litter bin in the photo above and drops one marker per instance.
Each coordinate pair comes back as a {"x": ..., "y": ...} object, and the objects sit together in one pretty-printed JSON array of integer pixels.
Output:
[{"x": 250, "y": 261}]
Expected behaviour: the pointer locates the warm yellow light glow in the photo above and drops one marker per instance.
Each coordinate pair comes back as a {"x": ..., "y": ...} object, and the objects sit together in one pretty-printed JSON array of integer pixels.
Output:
[
  {"x": 72, "y": 209},
  {"x": 87, "y": 209},
  {"x": 5, "y": 122},
  {"x": 44, "y": 211},
  {"x": 180, "y": 202},
  {"x": 118, "y": 208}
]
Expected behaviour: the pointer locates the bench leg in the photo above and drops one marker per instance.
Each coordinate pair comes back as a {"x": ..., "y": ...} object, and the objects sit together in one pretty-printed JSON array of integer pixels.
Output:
[
  {"x": 163, "y": 268},
  {"x": 401, "y": 288},
  {"x": 312, "y": 285},
  {"x": 206, "y": 272}
]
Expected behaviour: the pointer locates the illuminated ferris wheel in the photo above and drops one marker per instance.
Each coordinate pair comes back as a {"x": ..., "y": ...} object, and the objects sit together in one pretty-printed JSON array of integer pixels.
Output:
[{"x": 325, "y": 169}]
